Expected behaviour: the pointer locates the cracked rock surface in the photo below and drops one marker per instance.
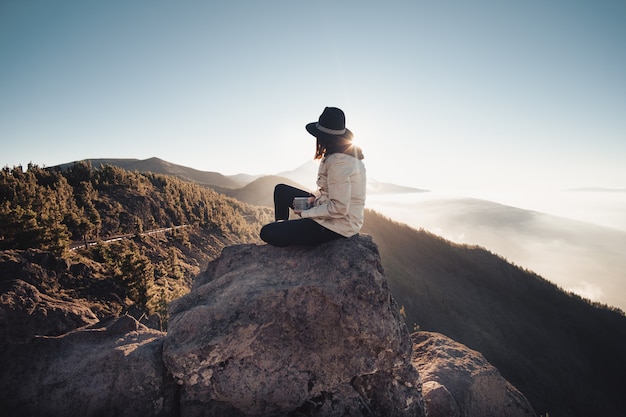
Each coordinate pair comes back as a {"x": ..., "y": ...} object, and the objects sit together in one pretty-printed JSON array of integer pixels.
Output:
[{"x": 307, "y": 331}]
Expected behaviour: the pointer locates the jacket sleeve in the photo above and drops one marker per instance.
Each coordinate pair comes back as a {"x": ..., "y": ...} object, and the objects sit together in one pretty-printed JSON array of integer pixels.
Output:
[{"x": 339, "y": 192}]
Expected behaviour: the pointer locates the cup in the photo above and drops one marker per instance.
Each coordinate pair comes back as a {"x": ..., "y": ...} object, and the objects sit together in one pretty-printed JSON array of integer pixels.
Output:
[{"x": 301, "y": 203}]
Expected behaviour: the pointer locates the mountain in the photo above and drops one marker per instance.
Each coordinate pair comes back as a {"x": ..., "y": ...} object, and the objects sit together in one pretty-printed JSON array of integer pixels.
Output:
[
  {"x": 241, "y": 185},
  {"x": 259, "y": 192},
  {"x": 159, "y": 166},
  {"x": 125, "y": 239},
  {"x": 307, "y": 174},
  {"x": 375, "y": 187},
  {"x": 564, "y": 353},
  {"x": 243, "y": 179},
  {"x": 578, "y": 256}
]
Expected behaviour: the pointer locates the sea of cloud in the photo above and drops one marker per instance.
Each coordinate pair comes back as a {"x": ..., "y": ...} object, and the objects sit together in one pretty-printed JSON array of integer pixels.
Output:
[{"x": 576, "y": 239}]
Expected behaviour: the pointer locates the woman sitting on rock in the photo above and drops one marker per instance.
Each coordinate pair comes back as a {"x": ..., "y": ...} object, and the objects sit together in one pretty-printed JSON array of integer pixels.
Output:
[{"x": 336, "y": 209}]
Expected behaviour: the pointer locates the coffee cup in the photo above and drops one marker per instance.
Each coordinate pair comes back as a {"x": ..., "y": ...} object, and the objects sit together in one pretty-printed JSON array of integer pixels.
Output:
[{"x": 301, "y": 203}]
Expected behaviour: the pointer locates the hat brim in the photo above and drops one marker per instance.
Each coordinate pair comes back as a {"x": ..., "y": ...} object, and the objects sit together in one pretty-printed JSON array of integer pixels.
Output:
[{"x": 313, "y": 130}]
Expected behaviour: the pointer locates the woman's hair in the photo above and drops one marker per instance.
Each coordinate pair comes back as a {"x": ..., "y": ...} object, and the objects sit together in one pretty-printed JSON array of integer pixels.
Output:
[
  {"x": 327, "y": 145},
  {"x": 320, "y": 147}
]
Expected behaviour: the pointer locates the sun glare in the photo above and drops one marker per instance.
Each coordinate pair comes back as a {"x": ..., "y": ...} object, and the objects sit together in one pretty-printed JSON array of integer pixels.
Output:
[{"x": 361, "y": 133}]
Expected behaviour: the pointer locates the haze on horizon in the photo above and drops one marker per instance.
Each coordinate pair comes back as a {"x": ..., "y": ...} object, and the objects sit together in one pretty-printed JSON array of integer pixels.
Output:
[
  {"x": 578, "y": 255},
  {"x": 441, "y": 95}
]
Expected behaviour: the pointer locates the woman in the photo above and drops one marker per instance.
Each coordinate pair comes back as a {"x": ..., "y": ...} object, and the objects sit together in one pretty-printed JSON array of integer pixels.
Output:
[{"x": 337, "y": 207}]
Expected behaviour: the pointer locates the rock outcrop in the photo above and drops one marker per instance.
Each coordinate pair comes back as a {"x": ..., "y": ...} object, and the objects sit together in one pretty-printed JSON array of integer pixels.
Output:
[
  {"x": 62, "y": 280},
  {"x": 458, "y": 381},
  {"x": 113, "y": 370},
  {"x": 265, "y": 332},
  {"x": 24, "y": 312},
  {"x": 293, "y": 331}
]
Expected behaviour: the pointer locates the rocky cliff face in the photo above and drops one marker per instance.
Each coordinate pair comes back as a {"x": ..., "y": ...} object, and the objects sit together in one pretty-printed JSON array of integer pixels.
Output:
[
  {"x": 458, "y": 381},
  {"x": 273, "y": 331},
  {"x": 265, "y": 332},
  {"x": 113, "y": 370},
  {"x": 25, "y": 311}
]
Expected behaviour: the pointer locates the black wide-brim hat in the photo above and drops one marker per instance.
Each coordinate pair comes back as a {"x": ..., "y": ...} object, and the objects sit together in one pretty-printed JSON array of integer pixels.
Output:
[{"x": 332, "y": 122}]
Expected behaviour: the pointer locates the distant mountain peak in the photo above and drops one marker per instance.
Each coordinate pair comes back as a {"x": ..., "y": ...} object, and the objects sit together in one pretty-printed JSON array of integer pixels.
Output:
[{"x": 159, "y": 166}]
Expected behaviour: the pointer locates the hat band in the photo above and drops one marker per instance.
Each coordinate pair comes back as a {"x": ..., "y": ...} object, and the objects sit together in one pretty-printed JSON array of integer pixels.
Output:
[{"x": 329, "y": 131}]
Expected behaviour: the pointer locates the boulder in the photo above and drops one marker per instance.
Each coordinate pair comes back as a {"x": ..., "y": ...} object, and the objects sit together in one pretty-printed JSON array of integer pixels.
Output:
[
  {"x": 300, "y": 331},
  {"x": 112, "y": 370},
  {"x": 265, "y": 332},
  {"x": 458, "y": 381}
]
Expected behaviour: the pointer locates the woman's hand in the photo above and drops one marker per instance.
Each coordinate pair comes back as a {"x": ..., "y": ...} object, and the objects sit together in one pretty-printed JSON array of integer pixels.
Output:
[{"x": 311, "y": 201}]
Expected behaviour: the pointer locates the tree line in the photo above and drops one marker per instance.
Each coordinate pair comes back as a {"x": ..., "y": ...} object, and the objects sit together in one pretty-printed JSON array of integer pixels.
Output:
[{"x": 47, "y": 208}]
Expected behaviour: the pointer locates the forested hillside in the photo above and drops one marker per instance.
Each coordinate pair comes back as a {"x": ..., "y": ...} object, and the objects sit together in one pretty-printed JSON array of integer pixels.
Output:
[
  {"x": 53, "y": 210},
  {"x": 564, "y": 353},
  {"x": 46, "y": 209}
]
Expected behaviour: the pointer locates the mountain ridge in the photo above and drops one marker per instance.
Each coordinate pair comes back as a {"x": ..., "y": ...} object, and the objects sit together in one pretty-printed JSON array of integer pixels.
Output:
[
  {"x": 547, "y": 342},
  {"x": 300, "y": 176},
  {"x": 537, "y": 240},
  {"x": 541, "y": 338},
  {"x": 160, "y": 166}
]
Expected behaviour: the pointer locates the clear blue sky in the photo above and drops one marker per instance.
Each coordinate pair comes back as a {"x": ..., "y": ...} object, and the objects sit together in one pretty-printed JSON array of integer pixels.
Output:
[{"x": 441, "y": 94}]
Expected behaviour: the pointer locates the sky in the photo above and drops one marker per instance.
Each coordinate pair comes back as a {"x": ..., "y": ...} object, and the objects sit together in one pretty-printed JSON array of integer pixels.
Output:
[{"x": 441, "y": 95}]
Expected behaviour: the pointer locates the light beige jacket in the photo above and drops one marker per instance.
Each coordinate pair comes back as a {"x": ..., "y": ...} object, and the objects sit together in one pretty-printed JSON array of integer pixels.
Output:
[{"x": 340, "y": 198}]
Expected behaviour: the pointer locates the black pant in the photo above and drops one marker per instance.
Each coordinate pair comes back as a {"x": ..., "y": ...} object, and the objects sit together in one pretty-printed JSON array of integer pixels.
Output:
[
  {"x": 293, "y": 232},
  {"x": 283, "y": 200}
]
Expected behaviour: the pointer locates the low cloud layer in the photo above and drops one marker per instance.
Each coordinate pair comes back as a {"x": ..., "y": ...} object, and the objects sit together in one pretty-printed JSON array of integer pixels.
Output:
[{"x": 577, "y": 256}]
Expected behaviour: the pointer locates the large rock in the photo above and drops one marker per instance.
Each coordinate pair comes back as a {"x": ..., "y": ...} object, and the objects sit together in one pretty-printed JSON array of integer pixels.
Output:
[
  {"x": 115, "y": 370},
  {"x": 300, "y": 331},
  {"x": 458, "y": 381},
  {"x": 265, "y": 332}
]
